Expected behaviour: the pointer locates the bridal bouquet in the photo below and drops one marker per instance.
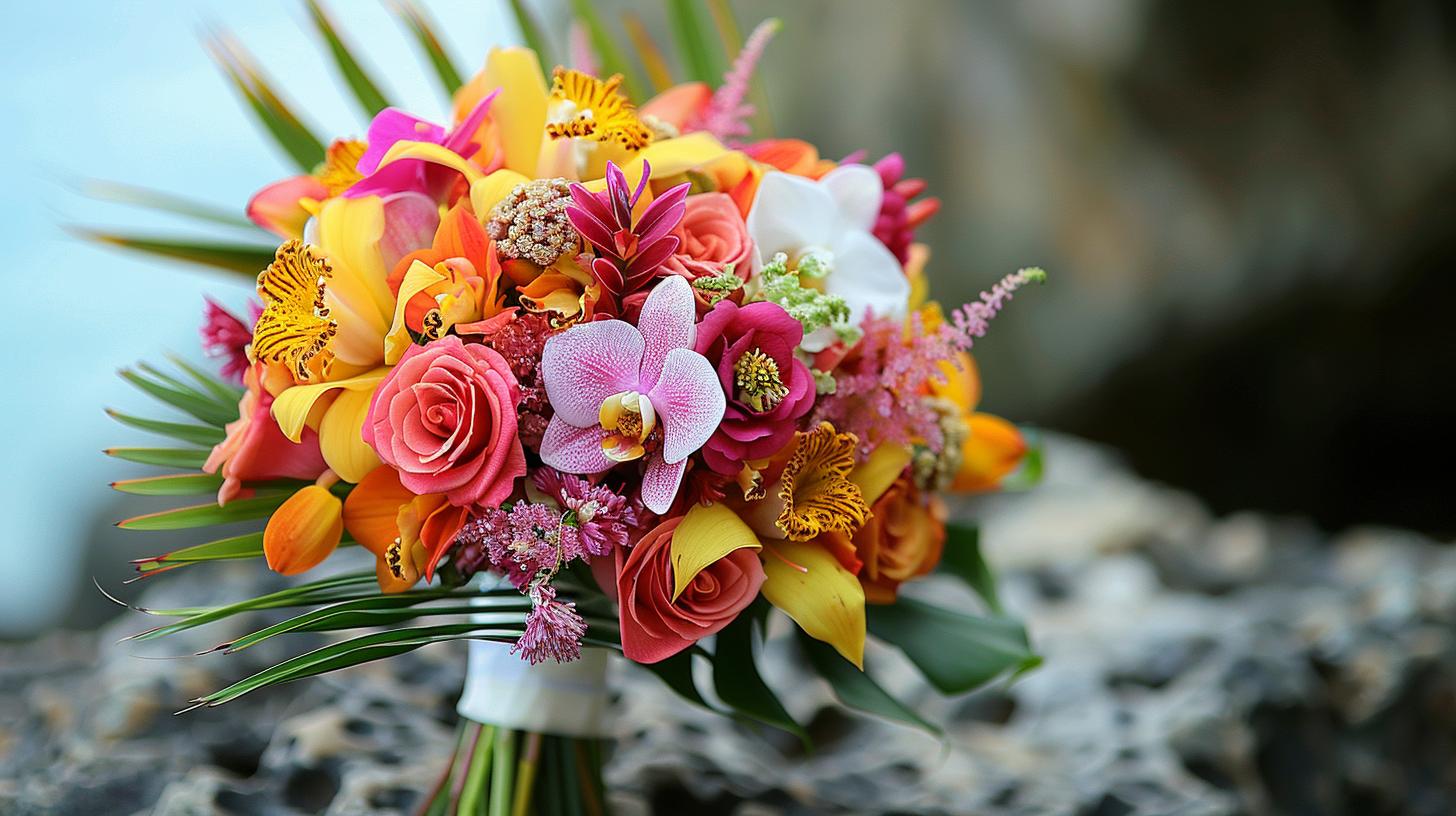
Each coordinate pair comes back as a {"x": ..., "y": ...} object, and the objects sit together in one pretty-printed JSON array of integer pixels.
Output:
[{"x": 583, "y": 377}]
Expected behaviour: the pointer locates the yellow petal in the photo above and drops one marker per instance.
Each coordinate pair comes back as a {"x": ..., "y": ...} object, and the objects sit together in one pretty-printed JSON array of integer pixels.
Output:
[
  {"x": 303, "y": 531},
  {"x": 671, "y": 157},
  {"x": 992, "y": 450},
  {"x": 823, "y": 597},
  {"x": 703, "y": 537},
  {"x": 339, "y": 441},
  {"x": 292, "y": 407},
  {"x": 433, "y": 153},
  {"x": 875, "y": 475},
  {"x": 520, "y": 110},
  {"x": 417, "y": 278},
  {"x": 488, "y": 191},
  {"x": 349, "y": 230}
]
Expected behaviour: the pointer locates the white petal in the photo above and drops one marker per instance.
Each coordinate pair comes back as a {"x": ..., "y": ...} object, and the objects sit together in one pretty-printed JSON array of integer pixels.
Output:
[
  {"x": 789, "y": 213},
  {"x": 868, "y": 277},
  {"x": 857, "y": 192}
]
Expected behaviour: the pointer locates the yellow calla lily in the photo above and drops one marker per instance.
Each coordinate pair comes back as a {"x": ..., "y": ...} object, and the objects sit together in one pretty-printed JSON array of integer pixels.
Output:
[
  {"x": 520, "y": 110},
  {"x": 704, "y": 536},
  {"x": 343, "y": 449},
  {"x": 875, "y": 475},
  {"x": 292, "y": 407},
  {"x": 825, "y": 599}
]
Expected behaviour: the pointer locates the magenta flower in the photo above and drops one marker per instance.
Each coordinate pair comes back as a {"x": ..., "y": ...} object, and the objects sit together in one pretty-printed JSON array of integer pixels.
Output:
[
  {"x": 393, "y": 125},
  {"x": 225, "y": 337},
  {"x": 768, "y": 389},
  {"x": 629, "y": 255},
  {"x": 624, "y": 392}
]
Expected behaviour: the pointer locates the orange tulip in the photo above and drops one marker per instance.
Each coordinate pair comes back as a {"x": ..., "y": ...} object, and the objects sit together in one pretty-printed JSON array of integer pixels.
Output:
[{"x": 303, "y": 531}]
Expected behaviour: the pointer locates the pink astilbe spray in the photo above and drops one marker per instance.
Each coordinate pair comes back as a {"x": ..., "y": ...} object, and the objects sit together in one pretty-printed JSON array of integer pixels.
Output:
[
  {"x": 727, "y": 113},
  {"x": 974, "y": 319},
  {"x": 603, "y": 519},
  {"x": 225, "y": 337}
]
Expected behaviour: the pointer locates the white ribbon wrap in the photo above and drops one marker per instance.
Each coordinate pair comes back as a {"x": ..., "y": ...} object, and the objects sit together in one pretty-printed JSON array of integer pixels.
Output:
[{"x": 564, "y": 699}]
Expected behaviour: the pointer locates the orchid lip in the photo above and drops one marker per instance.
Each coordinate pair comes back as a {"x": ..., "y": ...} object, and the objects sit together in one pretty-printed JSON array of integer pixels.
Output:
[{"x": 628, "y": 418}]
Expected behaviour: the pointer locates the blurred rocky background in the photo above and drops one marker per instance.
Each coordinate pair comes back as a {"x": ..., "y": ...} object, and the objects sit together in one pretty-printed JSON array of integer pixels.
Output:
[{"x": 1196, "y": 665}]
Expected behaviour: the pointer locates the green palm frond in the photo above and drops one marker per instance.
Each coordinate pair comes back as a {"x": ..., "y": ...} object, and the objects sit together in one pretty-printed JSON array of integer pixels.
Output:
[
  {"x": 366, "y": 92},
  {"x": 430, "y": 43},
  {"x": 267, "y": 105}
]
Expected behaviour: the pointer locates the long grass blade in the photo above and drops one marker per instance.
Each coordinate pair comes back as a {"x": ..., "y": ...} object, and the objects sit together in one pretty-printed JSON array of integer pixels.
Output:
[
  {"x": 701, "y": 58},
  {"x": 292, "y": 136},
  {"x": 183, "y": 398},
  {"x": 183, "y": 484},
  {"x": 206, "y": 515},
  {"x": 652, "y": 59},
  {"x": 247, "y": 545},
  {"x": 424, "y": 31},
  {"x": 161, "y": 201},
  {"x": 729, "y": 34},
  {"x": 533, "y": 37},
  {"x": 612, "y": 59},
  {"x": 180, "y": 458},
  {"x": 366, "y": 92},
  {"x": 378, "y": 611},
  {"x": 225, "y": 394},
  {"x": 247, "y": 259},
  {"x": 206, "y": 435}
]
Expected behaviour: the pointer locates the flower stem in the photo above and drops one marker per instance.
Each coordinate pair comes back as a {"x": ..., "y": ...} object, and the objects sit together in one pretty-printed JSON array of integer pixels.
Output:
[
  {"x": 476, "y": 779},
  {"x": 502, "y": 782}
]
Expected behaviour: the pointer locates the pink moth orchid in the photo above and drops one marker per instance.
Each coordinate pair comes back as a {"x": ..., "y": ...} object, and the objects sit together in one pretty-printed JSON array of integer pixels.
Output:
[{"x": 624, "y": 392}]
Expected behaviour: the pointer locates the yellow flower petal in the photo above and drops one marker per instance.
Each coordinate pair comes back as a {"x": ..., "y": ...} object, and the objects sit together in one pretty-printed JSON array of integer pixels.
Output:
[
  {"x": 702, "y": 538},
  {"x": 296, "y": 325},
  {"x": 814, "y": 589},
  {"x": 815, "y": 489},
  {"x": 358, "y": 293},
  {"x": 488, "y": 191},
  {"x": 303, "y": 531},
  {"x": 417, "y": 278},
  {"x": 343, "y": 448},
  {"x": 875, "y": 475},
  {"x": 520, "y": 110},
  {"x": 292, "y": 407}
]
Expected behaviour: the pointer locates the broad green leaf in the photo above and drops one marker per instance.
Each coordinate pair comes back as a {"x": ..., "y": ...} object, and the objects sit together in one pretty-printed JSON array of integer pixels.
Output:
[
  {"x": 956, "y": 652},
  {"x": 247, "y": 259},
  {"x": 161, "y": 201},
  {"x": 206, "y": 515},
  {"x": 180, "y": 458},
  {"x": 677, "y": 673},
  {"x": 419, "y": 24},
  {"x": 857, "y": 689},
  {"x": 366, "y": 92},
  {"x": 701, "y": 57},
  {"x": 291, "y": 135},
  {"x": 962, "y": 558},
  {"x": 738, "y": 683},
  {"x": 1033, "y": 464},
  {"x": 613, "y": 60},
  {"x": 207, "y": 435}
]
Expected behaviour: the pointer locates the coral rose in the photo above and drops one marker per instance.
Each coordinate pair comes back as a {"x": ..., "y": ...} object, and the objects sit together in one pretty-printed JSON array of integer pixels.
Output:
[
  {"x": 656, "y": 627},
  {"x": 902, "y": 540},
  {"x": 445, "y": 418},
  {"x": 711, "y": 235}
]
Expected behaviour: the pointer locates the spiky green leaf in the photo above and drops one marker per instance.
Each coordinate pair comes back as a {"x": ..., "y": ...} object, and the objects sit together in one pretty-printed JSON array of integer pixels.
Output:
[
  {"x": 419, "y": 24},
  {"x": 161, "y": 201},
  {"x": 533, "y": 37},
  {"x": 180, "y": 458},
  {"x": 366, "y": 92},
  {"x": 292, "y": 135},
  {"x": 702, "y": 58},
  {"x": 206, "y": 435},
  {"x": 207, "y": 515},
  {"x": 204, "y": 407},
  {"x": 246, "y": 259},
  {"x": 182, "y": 484}
]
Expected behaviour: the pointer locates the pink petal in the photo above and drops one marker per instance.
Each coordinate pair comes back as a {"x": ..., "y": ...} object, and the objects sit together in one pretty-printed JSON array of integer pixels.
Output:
[
  {"x": 394, "y": 125},
  {"x": 586, "y": 364},
  {"x": 689, "y": 403},
  {"x": 666, "y": 323},
  {"x": 660, "y": 483},
  {"x": 459, "y": 138},
  {"x": 410, "y": 222},
  {"x": 574, "y": 450}
]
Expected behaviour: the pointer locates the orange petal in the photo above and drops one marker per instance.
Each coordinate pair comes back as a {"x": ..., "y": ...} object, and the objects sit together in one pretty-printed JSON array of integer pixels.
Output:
[
  {"x": 276, "y": 208},
  {"x": 303, "y": 531},
  {"x": 372, "y": 506},
  {"x": 678, "y": 104},
  {"x": 962, "y": 384},
  {"x": 993, "y": 449}
]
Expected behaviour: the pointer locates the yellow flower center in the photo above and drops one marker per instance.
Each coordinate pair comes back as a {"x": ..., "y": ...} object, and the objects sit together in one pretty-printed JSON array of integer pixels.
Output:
[
  {"x": 628, "y": 418},
  {"x": 295, "y": 326},
  {"x": 340, "y": 170},
  {"x": 815, "y": 487},
  {"x": 588, "y": 108},
  {"x": 756, "y": 376}
]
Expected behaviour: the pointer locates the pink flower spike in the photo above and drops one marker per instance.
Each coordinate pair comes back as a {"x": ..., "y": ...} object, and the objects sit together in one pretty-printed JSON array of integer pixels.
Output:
[{"x": 661, "y": 398}]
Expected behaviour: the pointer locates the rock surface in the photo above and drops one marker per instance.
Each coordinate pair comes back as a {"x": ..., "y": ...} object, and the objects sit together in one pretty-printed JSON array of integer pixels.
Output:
[{"x": 1194, "y": 666}]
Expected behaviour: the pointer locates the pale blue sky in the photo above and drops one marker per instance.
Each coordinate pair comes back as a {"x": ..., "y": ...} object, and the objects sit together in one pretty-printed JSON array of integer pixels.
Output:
[{"x": 125, "y": 92}]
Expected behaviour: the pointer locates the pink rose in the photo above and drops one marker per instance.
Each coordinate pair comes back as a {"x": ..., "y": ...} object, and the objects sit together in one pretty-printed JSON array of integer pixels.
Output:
[
  {"x": 654, "y": 626},
  {"x": 711, "y": 235},
  {"x": 445, "y": 418}
]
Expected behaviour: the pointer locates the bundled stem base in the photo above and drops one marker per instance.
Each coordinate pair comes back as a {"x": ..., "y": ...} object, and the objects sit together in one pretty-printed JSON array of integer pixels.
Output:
[{"x": 499, "y": 771}]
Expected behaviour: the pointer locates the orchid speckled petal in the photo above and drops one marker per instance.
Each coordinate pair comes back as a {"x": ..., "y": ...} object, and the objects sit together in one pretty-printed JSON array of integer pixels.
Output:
[{"x": 585, "y": 364}]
